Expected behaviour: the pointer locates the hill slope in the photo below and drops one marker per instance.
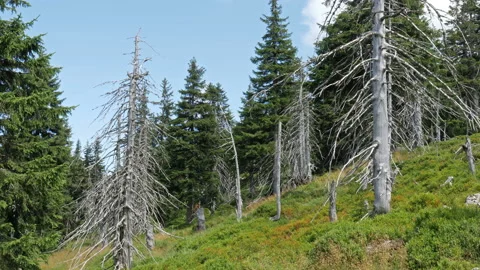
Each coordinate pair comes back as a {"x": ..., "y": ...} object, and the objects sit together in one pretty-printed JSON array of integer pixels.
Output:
[{"x": 429, "y": 226}]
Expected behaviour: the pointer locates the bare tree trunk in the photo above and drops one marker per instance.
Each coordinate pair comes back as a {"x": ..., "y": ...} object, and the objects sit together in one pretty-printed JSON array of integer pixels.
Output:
[
  {"x": 389, "y": 78},
  {"x": 308, "y": 148},
  {"x": 333, "y": 201},
  {"x": 124, "y": 257},
  {"x": 150, "y": 237},
  {"x": 417, "y": 125},
  {"x": 276, "y": 170},
  {"x": 381, "y": 159},
  {"x": 467, "y": 147},
  {"x": 201, "y": 219},
  {"x": 238, "y": 190}
]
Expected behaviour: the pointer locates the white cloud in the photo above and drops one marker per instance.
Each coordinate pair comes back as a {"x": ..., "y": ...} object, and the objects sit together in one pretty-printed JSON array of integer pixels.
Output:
[{"x": 315, "y": 12}]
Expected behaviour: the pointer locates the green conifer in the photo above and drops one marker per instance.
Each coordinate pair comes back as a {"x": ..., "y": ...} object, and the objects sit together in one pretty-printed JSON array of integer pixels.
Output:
[
  {"x": 34, "y": 146},
  {"x": 270, "y": 92}
]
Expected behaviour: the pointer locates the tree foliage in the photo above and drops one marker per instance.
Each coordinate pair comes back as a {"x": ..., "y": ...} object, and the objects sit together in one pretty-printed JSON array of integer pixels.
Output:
[
  {"x": 34, "y": 147},
  {"x": 271, "y": 92}
]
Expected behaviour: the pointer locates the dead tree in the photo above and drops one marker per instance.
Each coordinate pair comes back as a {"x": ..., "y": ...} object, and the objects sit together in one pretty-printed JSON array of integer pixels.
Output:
[
  {"x": 299, "y": 143},
  {"x": 201, "y": 219},
  {"x": 367, "y": 108},
  {"x": 381, "y": 157},
  {"x": 126, "y": 200},
  {"x": 277, "y": 171},
  {"x": 332, "y": 198},
  {"x": 223, "y": 170},
  {"x": 467, "y": 148}
]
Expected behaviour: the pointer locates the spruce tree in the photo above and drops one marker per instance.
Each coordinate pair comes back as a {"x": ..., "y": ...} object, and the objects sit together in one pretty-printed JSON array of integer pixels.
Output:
[
  {"x": 76, "y": 186},
  {"x": 270, "y": 92},
  {"x": 98, "y": 168},
  {"x": 463, "y": 44},
  {"x": 193, "y": 178},
  {"x": 34, "y": 146},
  {"x": 167, "y": 105},
  {"x": 348, "y": 26}
]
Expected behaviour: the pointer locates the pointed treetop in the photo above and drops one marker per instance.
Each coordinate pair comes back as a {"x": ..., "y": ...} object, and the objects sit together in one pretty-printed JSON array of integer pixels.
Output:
[{"x": 11, "y": 5}]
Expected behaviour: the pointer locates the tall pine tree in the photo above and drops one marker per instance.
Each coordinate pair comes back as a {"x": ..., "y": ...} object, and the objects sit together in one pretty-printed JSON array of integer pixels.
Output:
[
  {"x": 463, "y": 44},
  {"x": 270, "y": 93},
  {"x": 193, "y": 178},
  {"x": 34, "y": 146}
]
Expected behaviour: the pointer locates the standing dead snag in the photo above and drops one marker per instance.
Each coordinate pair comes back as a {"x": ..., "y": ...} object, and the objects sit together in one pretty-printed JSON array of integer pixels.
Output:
[
  {"x": 126, "y": 200},
  {"x": 277, "y": 171},
  {"x": 332, "y": 198},
  {"x": 467, "y": 147},
  {"x": 298, "y": 142},
  {"x": 223, "y": 171},
  {"x": 381, "y": 158},
  {"x": 201, "y": 219}
]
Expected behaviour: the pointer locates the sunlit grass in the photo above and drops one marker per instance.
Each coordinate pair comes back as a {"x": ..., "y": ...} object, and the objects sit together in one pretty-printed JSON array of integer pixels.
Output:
[{"x": 305, "y": 239}]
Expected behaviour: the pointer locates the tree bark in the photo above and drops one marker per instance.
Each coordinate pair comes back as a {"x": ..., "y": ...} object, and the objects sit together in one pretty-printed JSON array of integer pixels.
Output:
[
  {"x": 238, "y": 190},
  {"x": 150, "y": 237},
  {"x": 417, "y": 125},
  {"x": 201, "y": 219},
  {"x": 333, "y": 201},
  {"x": 277, "y": 170},
  {"x": 124, "y": 257},
  {"x": 467, "y": 147},
  {"x": 381, "y": 159}
]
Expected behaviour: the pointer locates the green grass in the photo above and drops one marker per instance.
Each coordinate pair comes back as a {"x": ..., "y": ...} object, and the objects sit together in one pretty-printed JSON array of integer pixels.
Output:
[{"x": 429, "y": 226}]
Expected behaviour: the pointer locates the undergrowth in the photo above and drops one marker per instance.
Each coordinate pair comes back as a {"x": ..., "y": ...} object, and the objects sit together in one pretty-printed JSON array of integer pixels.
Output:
[{"x": 429, "y": 226}]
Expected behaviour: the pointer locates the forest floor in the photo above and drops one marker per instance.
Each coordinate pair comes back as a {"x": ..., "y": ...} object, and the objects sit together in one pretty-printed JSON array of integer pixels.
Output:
[{"x": 429, "y": 227}]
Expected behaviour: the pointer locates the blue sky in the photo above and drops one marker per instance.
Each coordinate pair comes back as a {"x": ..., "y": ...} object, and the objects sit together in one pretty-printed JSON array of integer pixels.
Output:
[{"x": 91, "y": 42}]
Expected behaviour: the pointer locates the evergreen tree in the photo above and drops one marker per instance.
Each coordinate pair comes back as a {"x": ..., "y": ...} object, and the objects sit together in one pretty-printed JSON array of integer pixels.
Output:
[
  {"x": 76, "y": 186},
  {"x": 88, "y": 161},
  {"x": 167, "y": 107},
  {"x": 166, "y": 103},
  {"x": 77, "y": 174},
  {"x": 98, "y": 168},
  {"x": 194, "y": 145},
  {"x": 463, "y": 44},
  {"x": 217, "y": 97},
  {"x": 349, "y": 25},
  {"x": 34, "y": 147},
  {"x": 270, "y": 92}
]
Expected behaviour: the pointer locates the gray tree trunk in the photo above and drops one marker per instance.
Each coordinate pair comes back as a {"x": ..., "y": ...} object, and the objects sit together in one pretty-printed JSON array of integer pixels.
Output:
[
  {"x": 308, "y": 148},
  {"x": 417, "y": 125},
  {"x": 238, "y": 190},
  {"x": 277, "y": 170},
  {"x": 381, "y": 159},
  {"x": 438, "y": 129},
  {"x": 201, "y": 219},
  {"x": 333, "y": 201},
  {"x": 150, "y": 237},
  {"x": 124, "y": 258},
  {"x": 389, "y": 79},
  {"x": 467, "y": 147}
]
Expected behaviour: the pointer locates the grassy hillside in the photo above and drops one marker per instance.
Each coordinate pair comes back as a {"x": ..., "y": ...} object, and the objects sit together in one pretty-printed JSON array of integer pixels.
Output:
[{"x": 429, "y": 226}]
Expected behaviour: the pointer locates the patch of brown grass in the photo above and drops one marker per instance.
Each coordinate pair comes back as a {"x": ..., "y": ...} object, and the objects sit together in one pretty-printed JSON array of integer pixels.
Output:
[{"x": 380, "y": 254}]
